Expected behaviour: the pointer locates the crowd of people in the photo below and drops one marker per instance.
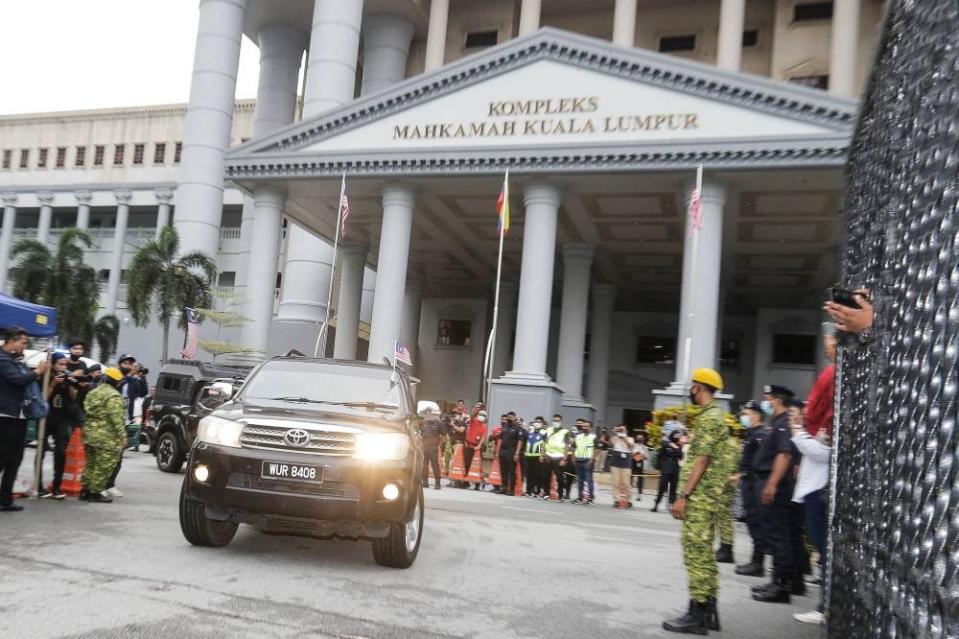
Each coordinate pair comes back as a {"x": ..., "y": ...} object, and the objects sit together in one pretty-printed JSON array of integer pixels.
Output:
[{"x": 99, "y": 401}]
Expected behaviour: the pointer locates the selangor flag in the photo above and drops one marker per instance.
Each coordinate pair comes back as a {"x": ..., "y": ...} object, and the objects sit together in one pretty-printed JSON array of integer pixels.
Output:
[{"x": 502, "y": 207}]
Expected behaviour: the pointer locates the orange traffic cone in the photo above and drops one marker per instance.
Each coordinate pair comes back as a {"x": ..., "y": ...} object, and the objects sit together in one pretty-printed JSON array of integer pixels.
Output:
[
  {"x": 553, "y": 493},
  {"x": 518, "y": 489},
  {"x": 495, "y": 475},
  {"x": 75, "y": 463},
  {"x": 457, "y": 472},
  {"x": 476, "y": 468}
]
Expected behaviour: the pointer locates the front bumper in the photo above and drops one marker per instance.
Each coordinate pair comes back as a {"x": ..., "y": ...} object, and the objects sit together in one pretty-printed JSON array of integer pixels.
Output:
[{"x": 348, "y": 503}]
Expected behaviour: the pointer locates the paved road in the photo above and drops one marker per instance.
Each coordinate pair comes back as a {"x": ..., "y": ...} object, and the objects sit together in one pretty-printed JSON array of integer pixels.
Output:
[{"x": 490, "y": 566}]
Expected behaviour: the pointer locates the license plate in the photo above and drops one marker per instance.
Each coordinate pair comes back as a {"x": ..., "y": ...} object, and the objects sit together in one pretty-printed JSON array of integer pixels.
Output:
[{"x": 292, "y": 472}]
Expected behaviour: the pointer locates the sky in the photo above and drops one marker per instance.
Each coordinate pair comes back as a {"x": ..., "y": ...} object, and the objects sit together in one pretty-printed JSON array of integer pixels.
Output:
[{"x": 64, "y": 55}]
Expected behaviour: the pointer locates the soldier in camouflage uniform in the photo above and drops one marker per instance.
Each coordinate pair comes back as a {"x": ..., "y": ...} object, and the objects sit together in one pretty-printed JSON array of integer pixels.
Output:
[
  {"x": 104, "y": 435},
  {"x": 724, "y": 516},
  {"x": 702, "y": 480}
]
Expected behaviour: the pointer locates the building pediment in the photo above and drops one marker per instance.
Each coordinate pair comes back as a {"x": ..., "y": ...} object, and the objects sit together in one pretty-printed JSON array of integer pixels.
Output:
[{"x": 559, "y": 100}]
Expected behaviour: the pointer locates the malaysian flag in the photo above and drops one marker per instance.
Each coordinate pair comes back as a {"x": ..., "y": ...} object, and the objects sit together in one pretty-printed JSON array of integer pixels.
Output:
[
  {"x": 344, "y": 209},
  {"x": 192, "y": 317},
  {"x": 402, "y": 354}
]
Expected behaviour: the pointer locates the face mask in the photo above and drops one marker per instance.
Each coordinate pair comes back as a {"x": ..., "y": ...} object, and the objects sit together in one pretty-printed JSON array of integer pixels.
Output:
[
  {"x": 745, "y": 421},
  {"x": 481, "y": 418},
  {"x": 766, "y": 407},
  {"x": 557, "y": 423}
]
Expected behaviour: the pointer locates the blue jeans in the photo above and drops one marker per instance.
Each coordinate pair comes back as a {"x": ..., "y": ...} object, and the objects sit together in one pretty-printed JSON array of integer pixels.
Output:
[
  {"x": 584, "y": 475},
  {"x": 817, "y": 515}
]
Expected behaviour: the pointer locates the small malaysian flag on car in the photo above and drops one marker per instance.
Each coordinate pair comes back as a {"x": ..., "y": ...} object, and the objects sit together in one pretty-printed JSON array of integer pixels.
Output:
[
  {"x": 192, "y": 318},
  {"x": 402, "y": 354}
]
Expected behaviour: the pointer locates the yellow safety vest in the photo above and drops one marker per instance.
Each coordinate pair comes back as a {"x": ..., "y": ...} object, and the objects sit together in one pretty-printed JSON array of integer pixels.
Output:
[
  {"x": 584, "y": 445},
  {"x": 556, "y": 441}
]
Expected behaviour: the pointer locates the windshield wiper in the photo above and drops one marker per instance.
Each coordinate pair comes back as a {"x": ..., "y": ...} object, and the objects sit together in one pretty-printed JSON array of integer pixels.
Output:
[
  {"x": 366, "y": 405},
  {"x": 298, "y": 400},
  {"x": 306, "y": 400}
]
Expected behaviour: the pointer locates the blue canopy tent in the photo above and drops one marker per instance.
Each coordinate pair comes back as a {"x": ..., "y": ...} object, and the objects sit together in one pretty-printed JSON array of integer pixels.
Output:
[{"x": 36, "y": 320}]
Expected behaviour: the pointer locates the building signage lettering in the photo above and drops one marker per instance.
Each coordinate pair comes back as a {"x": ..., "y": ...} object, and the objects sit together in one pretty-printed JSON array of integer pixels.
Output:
[{"x": 547, "y": 117}]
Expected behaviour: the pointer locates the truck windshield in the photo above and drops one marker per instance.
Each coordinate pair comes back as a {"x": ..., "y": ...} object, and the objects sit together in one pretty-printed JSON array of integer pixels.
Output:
[{"x": 350, "y": 387}]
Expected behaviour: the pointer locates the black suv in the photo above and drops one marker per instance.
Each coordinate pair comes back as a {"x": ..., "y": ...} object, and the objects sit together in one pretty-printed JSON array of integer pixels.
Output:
[
  {"x": 311, "y": 447},
  {"x": 185, "y": 393}
]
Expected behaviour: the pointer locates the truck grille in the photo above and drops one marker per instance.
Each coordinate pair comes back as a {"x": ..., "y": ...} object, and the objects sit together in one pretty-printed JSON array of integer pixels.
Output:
[{"x": 322, "y": 442}]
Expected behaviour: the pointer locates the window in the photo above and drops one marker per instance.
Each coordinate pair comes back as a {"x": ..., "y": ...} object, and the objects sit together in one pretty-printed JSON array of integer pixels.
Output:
[
  {"x": 656, "y": 350},
  {"x": 159, "y": 152},
  {"x": 7, "y": 158},
  {"x": 171, "y": 384},
  {"x": 478, "y": 39},
  {"x": 177, "y": 152},
  {"x": 81, "y": 158},
  {"x": 814, "y": 81},
  {"x": 118, "y": 151},
  {"x": 794, "y": 349},
  {"x": 104, "y": 275},
  {"x": 42, "y": 158},
  {"x": 673, "y": 44},
  {"x": 138, "y": 153},
  {"x": 61, "y": 157},
  {"x": 750, "y": 38},
  {"x": 729, "y": 353},
  {"x": 227, "y": 279},
  {"x": 812, "y": 11},
  {"x": 455, "y": 332},
  {"x": 24, "y": 158},
  {"x": 98, "y": 152}
]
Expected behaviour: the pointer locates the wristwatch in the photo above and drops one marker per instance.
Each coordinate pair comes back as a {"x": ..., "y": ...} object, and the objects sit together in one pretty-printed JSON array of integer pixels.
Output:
[{"x": 687, "y": 495}]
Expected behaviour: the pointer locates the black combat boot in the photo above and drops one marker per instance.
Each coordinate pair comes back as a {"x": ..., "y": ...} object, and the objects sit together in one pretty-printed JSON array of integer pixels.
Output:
[
  {"x": 99, "y": 497},
  {"x": 775, "y": 592},
  {"x": 712, "y": 614},
  {"x": 725, "y": 554},
  {"x": 797, "y": 585},
  {"x": 691, "y": 623},
  {"x": 772, "y": 585},
  {"x": 754, "y": 568}
]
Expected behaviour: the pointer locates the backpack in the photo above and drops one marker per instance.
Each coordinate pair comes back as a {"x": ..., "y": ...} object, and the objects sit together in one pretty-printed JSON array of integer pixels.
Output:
[{"x": 34, "y": 405}]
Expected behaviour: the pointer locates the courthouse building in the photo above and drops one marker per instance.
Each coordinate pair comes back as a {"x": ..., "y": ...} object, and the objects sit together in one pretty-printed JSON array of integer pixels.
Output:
[{"x": 600, "y": 111}]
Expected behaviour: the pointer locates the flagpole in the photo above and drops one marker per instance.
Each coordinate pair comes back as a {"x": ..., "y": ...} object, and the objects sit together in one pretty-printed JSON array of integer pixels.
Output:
[
  {"x": 690, "y": 306},
  {"x": 499, "y": 273},
  {"x": 325, "y": 329}
]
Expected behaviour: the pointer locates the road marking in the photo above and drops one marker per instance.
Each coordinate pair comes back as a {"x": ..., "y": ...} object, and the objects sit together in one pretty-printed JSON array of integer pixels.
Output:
[{"x": 527, "y": 510}]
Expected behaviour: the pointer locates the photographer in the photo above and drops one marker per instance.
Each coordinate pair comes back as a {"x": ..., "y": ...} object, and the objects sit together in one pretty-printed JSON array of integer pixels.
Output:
[{"x": 63, "y": 416}]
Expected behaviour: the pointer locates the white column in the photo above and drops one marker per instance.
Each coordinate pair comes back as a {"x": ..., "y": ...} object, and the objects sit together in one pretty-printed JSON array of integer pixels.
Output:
[
  {"x": 164, "y": 197},
  {"x": 542, "y": 201},
  {"x": 732, "y": 14},
  {"x": 208, "y": 124},
  {"x": 6, "y": 238},
  {"x": 699, "y": 305},
  {"x": 352, "y": 262},
  {"x": 269, "y": 202},
  {"x": 436, "y": 36},
  {"x": 46, "y": 215},
  {"x": 624, "y": 23},
  {"x": 116, "y": 261},
  {"x": 83, "y": 209},
  {"x": 529, "y": 16},
  {"x": 398, "y": 201},
  {"x": 504, "y": 327},
  {"x": 306, "y": 278},
  {"x": 386, "y": 47},
  {"x": 334, "y": 43},
  {"x": 843, "y": 48},
  {"x": 600, "y": 331},
  {"x": 577, "y": 262},
  {"x": 410, "y": 324}
]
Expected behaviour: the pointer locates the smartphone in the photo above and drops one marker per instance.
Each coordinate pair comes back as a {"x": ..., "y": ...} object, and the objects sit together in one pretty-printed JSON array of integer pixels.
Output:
[{"x": 843, "y": 296}]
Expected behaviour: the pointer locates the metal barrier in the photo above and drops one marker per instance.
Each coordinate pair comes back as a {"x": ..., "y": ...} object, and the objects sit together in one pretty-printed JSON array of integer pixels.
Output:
[{"x": 894, "y": 553}]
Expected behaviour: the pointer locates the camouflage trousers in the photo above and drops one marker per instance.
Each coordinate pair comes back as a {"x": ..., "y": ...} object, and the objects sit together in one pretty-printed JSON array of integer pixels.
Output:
[
  {"x": 724, "y": 515},
  {"x": 699, "y": 531},
  {"x": 99, "y": 467}
]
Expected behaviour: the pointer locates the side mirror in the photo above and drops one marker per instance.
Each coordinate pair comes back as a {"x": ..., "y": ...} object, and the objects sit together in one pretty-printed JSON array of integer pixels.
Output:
[
  {"x": 222, "y": 390},
  {"x": 423, "y": 405}
]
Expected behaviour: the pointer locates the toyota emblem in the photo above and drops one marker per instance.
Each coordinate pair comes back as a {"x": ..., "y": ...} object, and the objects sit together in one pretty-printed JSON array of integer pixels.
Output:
[{"x": 297, "y": 437}]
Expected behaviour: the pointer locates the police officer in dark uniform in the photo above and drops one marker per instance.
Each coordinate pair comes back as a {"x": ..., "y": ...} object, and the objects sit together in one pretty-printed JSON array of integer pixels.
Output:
[
  {"x": 774, "y": 482},
  {"x": 433, "y": 431},
  {"x": 511, "y": 438},
  {"x": 751, "y": 418}
]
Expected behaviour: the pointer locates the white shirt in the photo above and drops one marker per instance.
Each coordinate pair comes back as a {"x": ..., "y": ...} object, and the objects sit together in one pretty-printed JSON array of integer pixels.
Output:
[{"x": 814, "y": 467}]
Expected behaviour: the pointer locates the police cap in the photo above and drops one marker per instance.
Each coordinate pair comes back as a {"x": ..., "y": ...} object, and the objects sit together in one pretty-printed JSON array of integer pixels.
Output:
[
  {"x": 752, "y": 405},
  {"x": 778, "y": 391}
]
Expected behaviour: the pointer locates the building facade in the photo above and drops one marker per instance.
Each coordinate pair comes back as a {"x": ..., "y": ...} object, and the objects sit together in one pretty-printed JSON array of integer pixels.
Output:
[{"x": 600, "y": 111}]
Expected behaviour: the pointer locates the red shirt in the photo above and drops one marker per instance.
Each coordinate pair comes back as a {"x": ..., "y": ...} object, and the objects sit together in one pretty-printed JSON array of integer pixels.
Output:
[{"x": 819, "y": 405}]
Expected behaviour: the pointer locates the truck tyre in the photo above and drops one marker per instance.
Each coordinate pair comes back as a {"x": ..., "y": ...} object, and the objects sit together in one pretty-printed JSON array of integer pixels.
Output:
[
  {"x": 170, "y": 453},
  {"x": 400, "y": 547},
  {"x": 201, "y": 531}
]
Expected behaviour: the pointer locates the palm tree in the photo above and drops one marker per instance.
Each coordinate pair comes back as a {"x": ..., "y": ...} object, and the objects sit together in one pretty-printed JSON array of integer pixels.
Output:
[
  {"x": 106, "y": 331},
  {"x": 60, "y": 280},
  {"x": 162, "y": 283}
]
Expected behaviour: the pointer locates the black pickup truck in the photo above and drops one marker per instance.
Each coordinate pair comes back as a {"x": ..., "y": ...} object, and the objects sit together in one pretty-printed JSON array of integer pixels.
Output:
[
  {"x": 186, "y": 391},
  {"x": 311, "y": 447}
]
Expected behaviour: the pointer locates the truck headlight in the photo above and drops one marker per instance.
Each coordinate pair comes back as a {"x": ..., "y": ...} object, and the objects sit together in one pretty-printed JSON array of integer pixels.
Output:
[
  {"x": 216, "y": 430},
  {"x": 381, "y": 446}
]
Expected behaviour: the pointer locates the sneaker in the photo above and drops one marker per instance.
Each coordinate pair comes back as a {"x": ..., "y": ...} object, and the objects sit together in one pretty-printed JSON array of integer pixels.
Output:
[
  {"x": 43, "y": 493},
  {"x": 576, "y": 501},
  {"x": 113, "y": 492},
  {"x": 58, "y": 495},
  {"x": 812, "y": 617}
]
